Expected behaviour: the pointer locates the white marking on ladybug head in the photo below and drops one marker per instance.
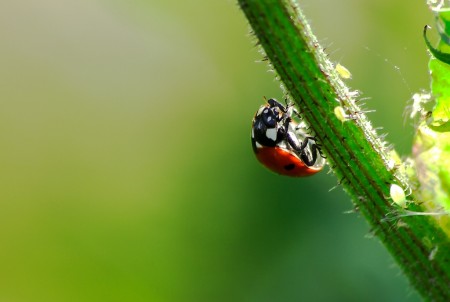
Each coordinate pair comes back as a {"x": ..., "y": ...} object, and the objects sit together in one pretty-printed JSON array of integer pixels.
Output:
[
  {"x": 258, "y": 145},
  {"x": 271, "y": 133},
  {"x": 269, "y": 118},
  {"x": 253, "y": 133}
]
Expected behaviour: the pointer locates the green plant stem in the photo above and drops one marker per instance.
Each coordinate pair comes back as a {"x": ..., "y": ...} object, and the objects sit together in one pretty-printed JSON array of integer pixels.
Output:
[{"x": 365, "y": 167}]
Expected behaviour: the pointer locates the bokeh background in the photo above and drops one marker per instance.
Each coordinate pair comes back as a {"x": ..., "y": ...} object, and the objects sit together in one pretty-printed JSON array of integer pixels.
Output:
[{"x": 126, "y": 172}]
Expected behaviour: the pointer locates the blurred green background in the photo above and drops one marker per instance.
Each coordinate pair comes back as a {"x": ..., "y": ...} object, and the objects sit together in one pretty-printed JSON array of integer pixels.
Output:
[{"x": 126, "y": 172}]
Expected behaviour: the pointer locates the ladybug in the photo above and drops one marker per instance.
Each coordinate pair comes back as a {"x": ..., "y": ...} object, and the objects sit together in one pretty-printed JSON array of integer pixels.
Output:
[{"x": 281, "y": 144}]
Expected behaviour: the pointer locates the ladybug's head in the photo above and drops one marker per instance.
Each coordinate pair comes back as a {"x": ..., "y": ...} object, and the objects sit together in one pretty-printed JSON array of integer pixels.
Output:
[
  {"x": 268, "y": 125},
  {"x": 271, "y": 113}
]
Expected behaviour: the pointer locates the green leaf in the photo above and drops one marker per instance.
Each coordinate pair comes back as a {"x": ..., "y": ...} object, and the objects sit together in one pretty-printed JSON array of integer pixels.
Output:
[
  {"x": 438, "y": 54},
  {"x": 432, "y": 141}
]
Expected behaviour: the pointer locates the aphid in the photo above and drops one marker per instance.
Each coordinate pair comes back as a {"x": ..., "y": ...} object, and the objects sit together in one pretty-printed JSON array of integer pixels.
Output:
[
  {"x": 343, "y": 72},
  {"x": 398, "y": 195},
  {"x": 340, "y": 114}
]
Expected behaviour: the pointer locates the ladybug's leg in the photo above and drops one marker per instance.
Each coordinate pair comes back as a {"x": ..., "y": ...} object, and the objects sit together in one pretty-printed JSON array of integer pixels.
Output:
[
  {"x": 310, "y": 157},
  {"x": 285, "y": 134},
  {"x": 310, "y": 161},
  {"x": 295, "y": 143},
  {"x": 275, "y": 103},
  {"x": 319, "y": 149}
]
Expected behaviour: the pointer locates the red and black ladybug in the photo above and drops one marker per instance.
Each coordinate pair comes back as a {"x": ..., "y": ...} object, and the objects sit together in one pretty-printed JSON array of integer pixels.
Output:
[{"x": 281, "y": 144}]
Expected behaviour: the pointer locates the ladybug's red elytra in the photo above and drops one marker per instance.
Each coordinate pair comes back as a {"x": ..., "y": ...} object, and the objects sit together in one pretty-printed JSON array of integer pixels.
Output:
[{"x": 281, "y": 144}]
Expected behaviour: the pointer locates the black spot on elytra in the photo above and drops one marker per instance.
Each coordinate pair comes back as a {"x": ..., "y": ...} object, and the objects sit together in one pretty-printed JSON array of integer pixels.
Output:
[{"x": 289, "y": 167}]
